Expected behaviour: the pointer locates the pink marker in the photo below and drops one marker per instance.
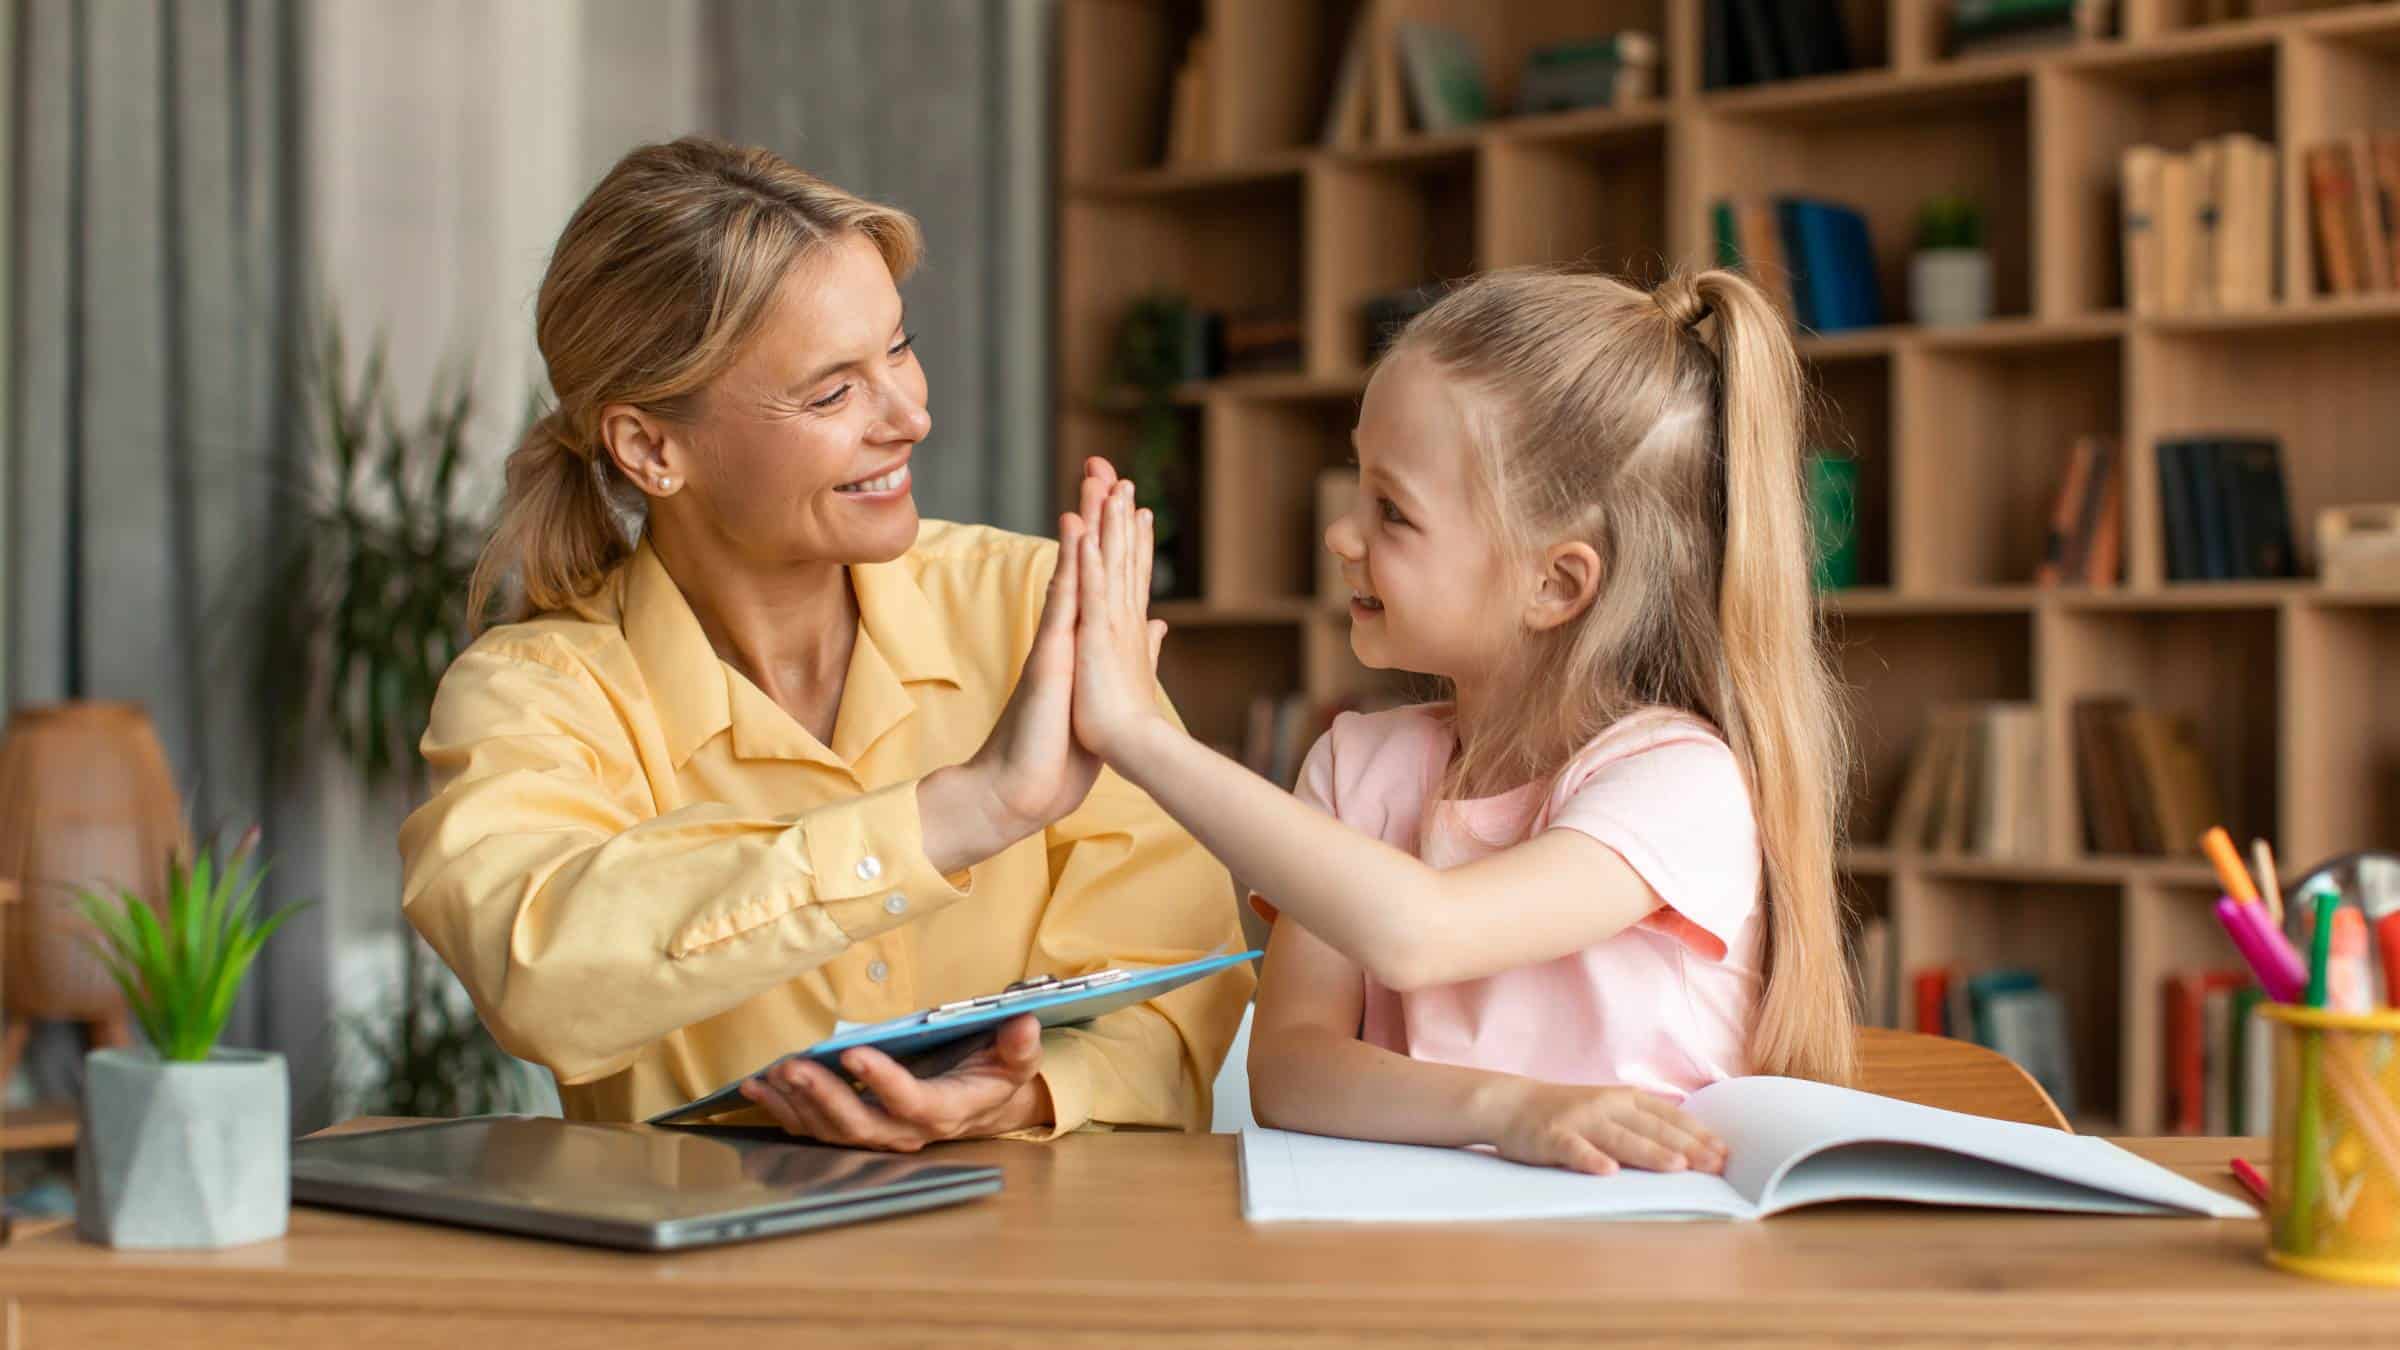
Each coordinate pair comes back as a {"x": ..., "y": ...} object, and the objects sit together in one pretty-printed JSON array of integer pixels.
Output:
[{"x": 2270, "y": 958}]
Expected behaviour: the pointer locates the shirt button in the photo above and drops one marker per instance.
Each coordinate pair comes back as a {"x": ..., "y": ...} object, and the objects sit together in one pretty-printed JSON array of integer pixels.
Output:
[
  {"x": 895, "y": 904},
  {"x": 869, "y": 868},
  {"x": 878, "y": 972}
]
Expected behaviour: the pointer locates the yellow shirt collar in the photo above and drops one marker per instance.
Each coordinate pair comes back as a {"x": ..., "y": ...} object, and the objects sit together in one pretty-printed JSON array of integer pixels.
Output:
[{"x": 900, "y": 642}]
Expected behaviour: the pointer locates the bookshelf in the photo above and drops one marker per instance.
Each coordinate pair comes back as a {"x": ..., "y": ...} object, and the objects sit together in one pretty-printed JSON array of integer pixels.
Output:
[{"x": 1959, "y": 433}]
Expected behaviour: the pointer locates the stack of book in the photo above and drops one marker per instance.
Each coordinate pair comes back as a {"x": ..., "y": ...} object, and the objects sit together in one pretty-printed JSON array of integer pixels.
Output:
[
  {"x": 2226, "y": 511},
  {"x": 2145, "y": 784},
  {"x": 2009, "y": 1010},
  {"x": 1991, "y": 27},
  {"x": 2354, "y": 212},
  {"x": 2085, "y": 539},
  {"x": 1815, "y": 258},
  {"x": 1974, "y": 783},
  {"x": 2199, "y": 226},
  {"x": 2219, "y": 1057},
  {"x": 1615, "y": 71},
  {"x": 1760, "y": 41}
]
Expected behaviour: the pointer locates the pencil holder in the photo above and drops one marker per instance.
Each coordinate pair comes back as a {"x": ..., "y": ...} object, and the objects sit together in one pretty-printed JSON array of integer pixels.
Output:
[{"x": 2334, "y": 1209}]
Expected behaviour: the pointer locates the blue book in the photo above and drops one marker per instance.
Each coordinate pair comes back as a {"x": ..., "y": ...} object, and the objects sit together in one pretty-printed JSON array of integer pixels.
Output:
[
  {"x": 1832, "y": 259},
  {"x": 1056, "y": 1002}
]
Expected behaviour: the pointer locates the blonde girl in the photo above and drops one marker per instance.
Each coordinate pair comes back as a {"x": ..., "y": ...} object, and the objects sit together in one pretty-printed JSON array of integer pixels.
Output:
[{"x": 1600, "y": 875}]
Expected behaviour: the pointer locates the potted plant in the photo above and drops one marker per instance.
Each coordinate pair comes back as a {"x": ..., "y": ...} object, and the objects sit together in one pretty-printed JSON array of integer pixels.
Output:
[
  {"x": 1950, "y": 275},
  {"x": 371, "y": 606},
  {"x": 184, "y": 1143}
]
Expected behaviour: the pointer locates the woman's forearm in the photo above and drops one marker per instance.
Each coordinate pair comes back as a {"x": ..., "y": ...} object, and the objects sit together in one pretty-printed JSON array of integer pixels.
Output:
[{"x": 1323, "y": 1082}]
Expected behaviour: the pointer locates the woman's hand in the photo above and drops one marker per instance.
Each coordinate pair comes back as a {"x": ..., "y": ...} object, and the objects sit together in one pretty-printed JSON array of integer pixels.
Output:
[
  {"x": 993, "y": 1091},
  {"x": 1599, "y": 1129},
  {"x": 1116, "y": 640},
  {"x": 1029, "y": 772}
]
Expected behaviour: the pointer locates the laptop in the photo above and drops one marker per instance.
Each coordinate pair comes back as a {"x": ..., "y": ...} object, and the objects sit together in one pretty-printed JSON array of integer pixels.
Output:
[{"x": 627, "y": 1186}]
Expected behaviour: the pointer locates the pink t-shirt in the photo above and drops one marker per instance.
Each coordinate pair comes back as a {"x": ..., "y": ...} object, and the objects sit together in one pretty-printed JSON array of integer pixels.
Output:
[{"x": 1666, "y": 1005}]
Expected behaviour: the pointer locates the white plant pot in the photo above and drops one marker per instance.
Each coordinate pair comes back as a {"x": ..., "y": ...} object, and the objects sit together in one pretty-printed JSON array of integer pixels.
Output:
[
  {"x": 183, "y": 1154},
  {"x": 1950, "y": 286}
]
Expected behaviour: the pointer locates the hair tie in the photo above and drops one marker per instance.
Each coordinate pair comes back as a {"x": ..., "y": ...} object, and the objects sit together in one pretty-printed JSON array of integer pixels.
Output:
[{"x": 1683, "y": 303}]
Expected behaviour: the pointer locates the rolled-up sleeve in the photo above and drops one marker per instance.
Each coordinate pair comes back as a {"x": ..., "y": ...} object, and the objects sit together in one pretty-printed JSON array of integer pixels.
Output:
[
  {"x": 1131, "y": 888},
  {"x": 585, "y": 923}
]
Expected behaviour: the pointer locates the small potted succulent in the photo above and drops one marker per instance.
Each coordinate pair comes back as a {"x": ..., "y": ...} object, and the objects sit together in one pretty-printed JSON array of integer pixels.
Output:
[
  {"x": 185, "y": 1143},
  {"x": 1950, "y": 275}
]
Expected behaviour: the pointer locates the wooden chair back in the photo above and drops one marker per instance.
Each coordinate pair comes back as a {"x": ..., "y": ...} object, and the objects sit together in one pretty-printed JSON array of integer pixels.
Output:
[{"x": 1953, "y": 1075}]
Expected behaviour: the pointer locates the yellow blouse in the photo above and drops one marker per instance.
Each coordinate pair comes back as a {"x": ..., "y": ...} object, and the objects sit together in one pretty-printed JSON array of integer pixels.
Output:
[{"x": 653, "y": 880}]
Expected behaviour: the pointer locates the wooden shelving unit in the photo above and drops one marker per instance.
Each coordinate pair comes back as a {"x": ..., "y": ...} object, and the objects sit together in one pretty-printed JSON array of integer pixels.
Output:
[{"x": 1960, "y": 433}]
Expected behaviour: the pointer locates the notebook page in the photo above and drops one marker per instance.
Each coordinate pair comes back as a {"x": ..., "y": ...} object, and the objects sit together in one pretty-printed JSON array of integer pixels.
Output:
[
  {"x": 1773, "y": 1124},
  {"x": 1289, "y": 1177}
]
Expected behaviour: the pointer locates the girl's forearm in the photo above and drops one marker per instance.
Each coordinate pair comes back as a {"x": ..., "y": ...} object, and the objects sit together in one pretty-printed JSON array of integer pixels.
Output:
[
  {"x": 1370, "y": 901},
  {"x": 1322, "y": 1082}
]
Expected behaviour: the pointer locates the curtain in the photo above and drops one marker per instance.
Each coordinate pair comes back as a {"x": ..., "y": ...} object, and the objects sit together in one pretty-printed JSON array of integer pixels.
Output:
[
  {"x": 937, "y": 107},
  {"x": 154, "y": 209}
]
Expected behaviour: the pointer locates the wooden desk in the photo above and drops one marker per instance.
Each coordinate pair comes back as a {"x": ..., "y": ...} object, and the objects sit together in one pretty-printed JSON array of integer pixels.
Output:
[{"x": 1102, "y": 1240}]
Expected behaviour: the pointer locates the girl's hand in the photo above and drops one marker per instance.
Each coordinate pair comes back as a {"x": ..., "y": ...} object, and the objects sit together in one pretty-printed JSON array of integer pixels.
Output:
[
  {"x": 1599, "y": 1129},
  {"x": 993, "y": 1091},
  {"x": 1116, "y": 641}
]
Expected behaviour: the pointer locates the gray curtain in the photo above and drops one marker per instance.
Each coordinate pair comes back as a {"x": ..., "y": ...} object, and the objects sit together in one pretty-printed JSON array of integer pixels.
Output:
[
  {"x": 935, "y": 106},
  {"x": 155, "y": 219}
]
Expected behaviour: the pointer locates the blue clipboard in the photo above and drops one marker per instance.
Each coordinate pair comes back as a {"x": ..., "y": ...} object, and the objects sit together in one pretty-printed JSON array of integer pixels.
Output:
[{"x": 1057, "y": 1002}]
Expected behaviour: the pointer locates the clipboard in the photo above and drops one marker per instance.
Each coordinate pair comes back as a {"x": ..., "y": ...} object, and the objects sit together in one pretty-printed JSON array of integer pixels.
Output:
[{"x": 1057, "y": 1002}]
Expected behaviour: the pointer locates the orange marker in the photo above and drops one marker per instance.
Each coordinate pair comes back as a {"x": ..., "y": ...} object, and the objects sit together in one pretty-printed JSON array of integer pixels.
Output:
[{"x": 2218, "y": 845}]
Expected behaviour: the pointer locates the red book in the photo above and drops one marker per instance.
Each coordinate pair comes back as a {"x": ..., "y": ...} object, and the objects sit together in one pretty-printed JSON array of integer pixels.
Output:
[{"x": 1933, "y": 1000}]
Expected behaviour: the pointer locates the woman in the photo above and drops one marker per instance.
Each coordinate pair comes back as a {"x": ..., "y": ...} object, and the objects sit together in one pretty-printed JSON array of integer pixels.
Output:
[{"x": 760, "y": 774}]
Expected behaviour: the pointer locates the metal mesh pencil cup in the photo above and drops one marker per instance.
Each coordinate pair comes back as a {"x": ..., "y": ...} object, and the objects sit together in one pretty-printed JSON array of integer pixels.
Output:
[{"x": 2334, "y": 1208}]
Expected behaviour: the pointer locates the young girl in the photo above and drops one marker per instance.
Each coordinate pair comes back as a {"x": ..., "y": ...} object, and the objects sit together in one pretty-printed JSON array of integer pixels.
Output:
[{"x": 1601, "y": 875}]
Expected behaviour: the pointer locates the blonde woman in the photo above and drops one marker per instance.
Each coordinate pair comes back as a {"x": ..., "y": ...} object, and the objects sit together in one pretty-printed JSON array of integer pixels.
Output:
[
  {"x": 1601, "y": 875},
  {"x": 767, "y": 766}
]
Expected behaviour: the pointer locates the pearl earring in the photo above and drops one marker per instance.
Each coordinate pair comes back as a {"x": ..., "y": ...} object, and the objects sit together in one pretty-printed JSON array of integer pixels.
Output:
[{"x": 666, "y": 485}]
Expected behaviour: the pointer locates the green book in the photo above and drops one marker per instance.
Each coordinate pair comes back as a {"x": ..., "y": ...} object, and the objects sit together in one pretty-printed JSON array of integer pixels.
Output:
[
  {"x": 1729, "y": 239},
  {"x": 1445, "y": 81},
  {"x": 1987, "y": 18},
  {"x": 2237, "y": 1060}
]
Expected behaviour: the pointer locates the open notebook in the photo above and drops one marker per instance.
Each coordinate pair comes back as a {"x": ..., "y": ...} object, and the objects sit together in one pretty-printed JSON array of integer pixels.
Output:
[{"x": 1792, "y": 1143}]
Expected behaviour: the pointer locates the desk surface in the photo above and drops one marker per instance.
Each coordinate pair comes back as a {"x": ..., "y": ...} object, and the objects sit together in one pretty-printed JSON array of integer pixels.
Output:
[{"x": 1099, "y": 1238}]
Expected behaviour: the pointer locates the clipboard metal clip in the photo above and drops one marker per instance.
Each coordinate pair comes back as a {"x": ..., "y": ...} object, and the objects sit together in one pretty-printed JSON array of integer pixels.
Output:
[{"x": 1037, "y": 986}]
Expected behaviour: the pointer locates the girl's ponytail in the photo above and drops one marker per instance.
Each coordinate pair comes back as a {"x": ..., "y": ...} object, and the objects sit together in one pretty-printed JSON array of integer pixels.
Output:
[
  {"x": 1779, "y": 708},
  {"x": 557, "y": 535}
]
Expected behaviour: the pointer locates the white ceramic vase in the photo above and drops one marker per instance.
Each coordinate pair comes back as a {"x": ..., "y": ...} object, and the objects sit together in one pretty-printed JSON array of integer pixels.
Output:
[
  {"x": 183, "y": 1154},
  {"x": 1948, "y": 287}
]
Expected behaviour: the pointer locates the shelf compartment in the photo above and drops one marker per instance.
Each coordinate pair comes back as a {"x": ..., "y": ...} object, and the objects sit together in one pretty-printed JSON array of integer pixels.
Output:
[
  {"x": 1377, "y": 226},
  {"x": 1233, "y": 250},
  {"x": 1212, "y": 674},
  {"x": 1599, "y": 199},
  {"x": 1988, "y": 432},
  {"x": 2219, "y": 670},
  {"x": 1851, "y": 413},
  {"x": 2335, "y": 83},
  {"x": 2324, "y": 390},
  {"x": 2089, "y": 110},
  {"x": 1111, "y": 434},
  {"x": 1886, "y": 165},
  {"x": 1259, "y": 535},
  {"x": 1117, "y": 80},
  {"x": 1503, "y": 35},
  {"x": 2067, "y": 933},
  {"x": 1897, "y": 671},
  {"x": 2341, "y": 733}
]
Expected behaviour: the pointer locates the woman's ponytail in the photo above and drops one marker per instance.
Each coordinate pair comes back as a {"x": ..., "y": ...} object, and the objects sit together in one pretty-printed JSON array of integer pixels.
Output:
[
  {"x": 557, "y": 535},
  {"x": 1781, "y": 710}
]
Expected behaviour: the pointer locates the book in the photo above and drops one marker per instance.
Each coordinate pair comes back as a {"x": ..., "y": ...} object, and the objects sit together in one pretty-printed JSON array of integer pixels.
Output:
[
  {"x": 2207, "y": 170},
  {"x": 2142, "y": 171},
  {"x": 1349, "y": 112},
  {"x": 2187, "y": 1075},
  {"x": 2103, "y": 559},
  {"x": 2375, "y": 226},
  {"x": 1791, "y": 1143},
  {"x": 1190, "y": 134},
  {"x": 2245, "y": 265},
  {"x": 2386, "y": 147},
  {"x": 1610, "y": 71},
  {"x": 1445, "y": 78},
  {"x": 2177, "y": 233},
  {"x": 2251, "y": 473},
  {"x": 2334, "y": 216},
  {"x": 1832, "y": 261},
  {"x": 2028, "y": 1024},
  {"x": 1811, "y": 36},
  {"x": 2176, "y": 509},
  {"x": 1754, "y": 27},
  {"x": 2100, "y": 785}
]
